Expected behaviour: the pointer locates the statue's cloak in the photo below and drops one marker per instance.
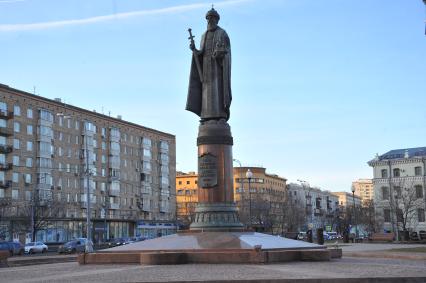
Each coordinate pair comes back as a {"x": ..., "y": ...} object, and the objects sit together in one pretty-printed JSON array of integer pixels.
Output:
[{"x": 194, "y": 100}]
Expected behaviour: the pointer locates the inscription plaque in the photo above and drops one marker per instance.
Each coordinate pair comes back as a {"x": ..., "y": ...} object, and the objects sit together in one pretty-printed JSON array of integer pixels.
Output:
[{"x": 207, "y": 171}]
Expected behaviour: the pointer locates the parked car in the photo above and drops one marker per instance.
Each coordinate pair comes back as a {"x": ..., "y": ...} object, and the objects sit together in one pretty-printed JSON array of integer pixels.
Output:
[
  {"x": 74, "y": 246},
  {"x": 331, "y": 236},
  {"x": 116, "y": 242},
  {"x": 35, "y": 247},
  {"x": 302, "y": 236},
  {"x": 18, "y": 248},
  {"x": 5, "y": 246}
]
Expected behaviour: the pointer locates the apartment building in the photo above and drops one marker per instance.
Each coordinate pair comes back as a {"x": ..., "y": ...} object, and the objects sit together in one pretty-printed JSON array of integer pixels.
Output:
[
  {"x": 321, "y": 206},
  {"x": 264, "y": 202},
  {"x": 266, "y": 197},
  {"x": 186, "y": 197},
  {"x": 52, "y": 154},
  {"x": 364, "y": 189},
  {"x": 347, "y": 199},
  {"x": 399, "y": 189}
]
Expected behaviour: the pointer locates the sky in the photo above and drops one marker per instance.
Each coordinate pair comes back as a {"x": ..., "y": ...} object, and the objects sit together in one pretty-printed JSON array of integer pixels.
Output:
[{"x": 319, "y": 87}]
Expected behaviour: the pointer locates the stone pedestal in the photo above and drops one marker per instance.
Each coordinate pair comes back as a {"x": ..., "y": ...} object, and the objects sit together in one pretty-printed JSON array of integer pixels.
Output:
[{"x": 216, "y": 209}]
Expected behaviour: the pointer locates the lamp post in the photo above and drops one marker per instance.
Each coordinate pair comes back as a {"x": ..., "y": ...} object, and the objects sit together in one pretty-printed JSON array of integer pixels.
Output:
[
  {"x": 355, "y": 222},
  {"x": 88, "y": 246},
  {"x": 249, "y": 175}
]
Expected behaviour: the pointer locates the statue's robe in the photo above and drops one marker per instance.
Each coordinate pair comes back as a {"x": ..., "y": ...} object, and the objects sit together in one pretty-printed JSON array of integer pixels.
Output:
[{"x": 210, "y": 98}]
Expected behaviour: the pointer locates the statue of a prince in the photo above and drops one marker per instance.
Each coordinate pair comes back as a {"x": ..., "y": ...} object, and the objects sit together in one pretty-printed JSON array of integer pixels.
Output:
[{"x": 209, "y": 94}]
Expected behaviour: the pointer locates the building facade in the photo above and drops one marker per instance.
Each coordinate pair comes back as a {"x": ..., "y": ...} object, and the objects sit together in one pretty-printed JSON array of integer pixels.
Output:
[
  {"x": 321, "y": 207},
  {"x": 399, "y": 189},
  {"x": 186, "y": 197},
  {"x": 52, "y": 154},
  {"x": 266, "y": 198},
  {"x": 364, "y": 189},
  {"x": 264, "y": 202},
  {"x": 347, "y": 199}
]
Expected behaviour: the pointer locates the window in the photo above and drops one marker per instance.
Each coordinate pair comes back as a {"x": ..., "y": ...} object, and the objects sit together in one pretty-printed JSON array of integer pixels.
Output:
[
  {"x": 398, "y": 192},
  {"x": 384, "y": 173},
  {"x": 421, "y": 215},
  {"x": 103, "y": 145},
  {"x": 386, "y": 214},
  {"x": 16, "y": 144},
  {"x": 29, "y": 113},
  {"x": 3, "y": 123},
  {"x": 15, "y": 194},
  {"x": 16, "y": 127},
  {"x": 28, "y": 178},
  {"x": 29, "y": 162},
  {"x": 188, "y": 182},
  {"x": 396, "y": 172},
  {"x": 29, "y": 145},
  {"x": 29, "y": 129},
  {"x": 15, "y": 160},
  {"x": 16, "y": 110},
  {"x": 419, "y": 191},
  {"x": 27, "y": 195},
  {"x": 60, "y": 120},
  {"x": 147, "y": 153},
  {"x": 68, "y": 123},
  {"x": 76, "y": 125},
  {"x": 46, "y": 115},
  {"x": 103, "y": 132},
  {"x": 418, "y": 171},
  {"x": 385, "y": 193},
  {"x": 1, "y": 193},
  {"x": 15, "y": 177}
]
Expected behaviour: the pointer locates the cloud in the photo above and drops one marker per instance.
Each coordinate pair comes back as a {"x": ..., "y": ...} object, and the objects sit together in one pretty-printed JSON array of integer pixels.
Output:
[{"x": 119, "y": 16}]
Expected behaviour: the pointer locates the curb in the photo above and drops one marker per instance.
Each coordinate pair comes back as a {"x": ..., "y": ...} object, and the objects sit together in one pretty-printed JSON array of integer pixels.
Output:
[
  {"x": 40, "y": 260},
  {"x": 385, "y": 255},
  {"x": 315, "y": 280}
]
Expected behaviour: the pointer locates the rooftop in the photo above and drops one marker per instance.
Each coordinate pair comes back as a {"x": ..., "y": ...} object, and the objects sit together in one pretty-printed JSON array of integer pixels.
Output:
[{"x": 402, "y": 153}]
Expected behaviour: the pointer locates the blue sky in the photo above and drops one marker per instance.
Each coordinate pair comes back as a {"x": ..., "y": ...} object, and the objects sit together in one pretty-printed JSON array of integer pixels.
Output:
[{"x": 318, "y": 86}]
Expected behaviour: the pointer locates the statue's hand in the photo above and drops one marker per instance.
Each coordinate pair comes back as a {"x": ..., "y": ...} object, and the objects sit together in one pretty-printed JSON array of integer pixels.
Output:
[{"x": 192, "y": 46}]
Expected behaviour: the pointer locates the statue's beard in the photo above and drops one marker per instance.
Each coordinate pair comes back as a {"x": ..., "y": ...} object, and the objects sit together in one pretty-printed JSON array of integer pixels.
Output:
[{"x": 211, "y": 27}]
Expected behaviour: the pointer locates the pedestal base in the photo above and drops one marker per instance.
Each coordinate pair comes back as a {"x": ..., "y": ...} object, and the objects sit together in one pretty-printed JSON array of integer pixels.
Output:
[{"x": 216, "y": 217}]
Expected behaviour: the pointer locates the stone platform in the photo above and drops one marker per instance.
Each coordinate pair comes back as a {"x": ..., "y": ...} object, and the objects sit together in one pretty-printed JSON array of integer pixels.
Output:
[{"x": 211, "y": 247}]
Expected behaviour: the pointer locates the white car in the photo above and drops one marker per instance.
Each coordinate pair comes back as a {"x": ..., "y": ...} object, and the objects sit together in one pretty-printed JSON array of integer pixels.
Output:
[{"x": 35, "y": 247}]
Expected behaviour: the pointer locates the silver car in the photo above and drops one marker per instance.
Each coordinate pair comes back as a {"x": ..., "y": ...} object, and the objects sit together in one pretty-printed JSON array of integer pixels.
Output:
[{"x": 35, "y": 247}]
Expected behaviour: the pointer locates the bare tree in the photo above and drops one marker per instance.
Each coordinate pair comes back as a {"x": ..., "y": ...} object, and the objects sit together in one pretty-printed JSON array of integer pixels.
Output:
[
  {"x": 294, "y": 214},
  {"x": 407, "y": 199}
]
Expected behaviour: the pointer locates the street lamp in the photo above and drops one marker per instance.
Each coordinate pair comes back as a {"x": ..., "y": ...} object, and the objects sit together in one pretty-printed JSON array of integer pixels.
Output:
[
  {"x": 249, "y": 175},
  {"x": 353, "y": 199}
]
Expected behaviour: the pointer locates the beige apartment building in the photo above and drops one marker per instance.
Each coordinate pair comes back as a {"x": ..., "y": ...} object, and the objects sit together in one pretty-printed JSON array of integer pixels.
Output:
[
  {"x": 347, "y": 199},
  {"x": 265, "y": 200},
  {"x": 186, "y": 197},
  {"x": 51, "y": 152},
  {"x": 267, "y": 197},
  {"x": 364, "y": 189}
]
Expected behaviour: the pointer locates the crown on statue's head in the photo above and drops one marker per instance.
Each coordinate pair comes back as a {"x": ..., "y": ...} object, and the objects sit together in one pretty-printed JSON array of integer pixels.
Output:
[{"x": 212, "y": 13}]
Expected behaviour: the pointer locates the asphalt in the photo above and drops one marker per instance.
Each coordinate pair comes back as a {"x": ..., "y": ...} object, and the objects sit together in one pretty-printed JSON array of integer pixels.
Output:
[
  {"x": 344, "y": 270},
  {"x": 360, "y": 263}
]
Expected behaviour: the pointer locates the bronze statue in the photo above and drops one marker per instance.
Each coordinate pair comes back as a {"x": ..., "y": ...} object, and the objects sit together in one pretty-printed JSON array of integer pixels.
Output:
[{"x": 209, "y": 94}]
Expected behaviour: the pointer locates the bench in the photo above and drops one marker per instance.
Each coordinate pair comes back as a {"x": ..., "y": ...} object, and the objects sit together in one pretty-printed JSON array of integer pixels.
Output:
[
  {"x": 382, "y": 237},
  {"x": 3, "y": 258}
]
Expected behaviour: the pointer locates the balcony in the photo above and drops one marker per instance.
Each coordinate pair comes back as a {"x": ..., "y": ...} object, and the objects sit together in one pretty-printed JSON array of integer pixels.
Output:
[
  {"x": 6, "y": 132},
  {"x": 6, "y": 149},
  {"x": 6, "y": 115},
  {"x": 114, "y": 206},
  {"x": 5, "y": 184},
  {"x": 5, "y": 166}
]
